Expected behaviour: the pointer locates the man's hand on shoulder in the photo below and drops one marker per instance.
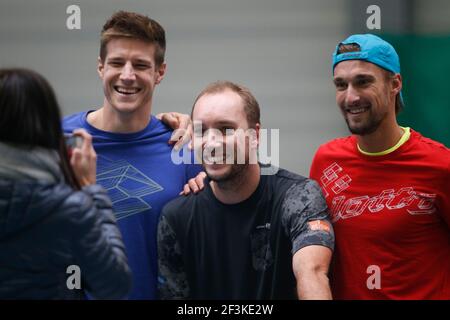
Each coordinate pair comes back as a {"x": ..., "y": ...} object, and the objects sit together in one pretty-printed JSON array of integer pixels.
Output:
[
  {"x": 195, "y": 185},
  {"x": 182, "y": 126}
]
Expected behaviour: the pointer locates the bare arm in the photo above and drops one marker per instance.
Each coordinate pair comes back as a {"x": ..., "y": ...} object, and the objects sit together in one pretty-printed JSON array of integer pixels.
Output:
[{"x": 310, "y": 265}]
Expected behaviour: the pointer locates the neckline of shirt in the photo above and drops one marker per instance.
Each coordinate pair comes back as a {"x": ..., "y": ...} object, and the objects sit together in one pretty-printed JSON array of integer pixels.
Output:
[
  {"x": 116, "y": 135},
  {"x": 253, "y": 198},
  {"x": 404, "y": 138}
]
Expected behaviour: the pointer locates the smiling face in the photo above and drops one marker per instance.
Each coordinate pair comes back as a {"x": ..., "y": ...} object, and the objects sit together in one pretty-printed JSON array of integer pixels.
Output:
[
  {"x": 224, "y": 127},
  {"x": 129, "y": 75},
  {"x": 365, "y": 94}
]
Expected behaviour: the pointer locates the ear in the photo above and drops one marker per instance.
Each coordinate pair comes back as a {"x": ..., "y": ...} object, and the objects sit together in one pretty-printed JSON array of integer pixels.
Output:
[
  {"x": 161, "y": 72},
  {"x": 397, "y": 84},
  {"x": 100, "y": 67},
  {"x": 255, "y": 142}
]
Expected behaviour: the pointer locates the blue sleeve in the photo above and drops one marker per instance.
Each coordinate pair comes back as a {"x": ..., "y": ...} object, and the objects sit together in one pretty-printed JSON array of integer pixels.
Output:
[
  {"x": 72, "y": 122},
  {"x": 67, "y": 128}
]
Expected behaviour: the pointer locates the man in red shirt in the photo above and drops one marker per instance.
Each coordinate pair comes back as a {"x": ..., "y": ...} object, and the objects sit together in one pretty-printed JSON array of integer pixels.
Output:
[{"x": 388, "y": 187}]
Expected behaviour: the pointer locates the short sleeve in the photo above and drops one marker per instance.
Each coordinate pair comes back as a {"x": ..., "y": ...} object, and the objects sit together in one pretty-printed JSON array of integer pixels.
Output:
[{"x": 305, "y": 216}]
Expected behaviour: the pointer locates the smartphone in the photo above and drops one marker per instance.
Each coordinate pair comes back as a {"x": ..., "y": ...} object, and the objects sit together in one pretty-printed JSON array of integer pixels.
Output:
[{"x": 72, "y": 141}]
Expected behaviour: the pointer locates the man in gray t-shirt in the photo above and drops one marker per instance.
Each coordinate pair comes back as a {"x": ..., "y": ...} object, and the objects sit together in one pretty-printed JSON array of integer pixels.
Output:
[{"x": 247, "y": 235}]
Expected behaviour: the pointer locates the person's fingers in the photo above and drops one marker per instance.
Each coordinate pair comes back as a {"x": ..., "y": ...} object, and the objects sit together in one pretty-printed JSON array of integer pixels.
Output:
[
  {"x": 181, "y": 123},
  {"x": 170, "y": 120},
  {"x": 186, "y": 189},
  {"x": 193, "y": 185},
  {"x": 195, "y": 142},
  {"x": 184, "y": 120},
  {"x": 86, "y": 147},
  {"x": 177, "y": 134},
  {"x": 165, "y": 116},
  {"x": 82, "y": 132},
  {"x": 87, "y": 139},
  {"x": 200, "y": 180},
  {"x": 186, "y": 138},
  {"x": 76, "y": 157},
  {"x": 84, "y": 159}
]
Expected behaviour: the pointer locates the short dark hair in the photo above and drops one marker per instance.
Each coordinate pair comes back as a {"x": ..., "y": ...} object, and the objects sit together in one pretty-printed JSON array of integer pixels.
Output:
[
  {"x": 354, "y": 47},
  {"x": 251, "y": 106},
  {"x": 124, "y": 24},
  {"x": 30, "y": 115}
]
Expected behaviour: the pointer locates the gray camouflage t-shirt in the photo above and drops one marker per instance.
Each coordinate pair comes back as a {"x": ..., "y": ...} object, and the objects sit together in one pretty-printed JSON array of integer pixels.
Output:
[{"x": 210, "y": 250}]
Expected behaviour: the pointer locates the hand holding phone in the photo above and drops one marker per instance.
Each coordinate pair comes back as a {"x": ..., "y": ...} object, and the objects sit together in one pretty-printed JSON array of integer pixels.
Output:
[
  {"x": 83, "y": 157},
  {"x": 72, "y": 141}
]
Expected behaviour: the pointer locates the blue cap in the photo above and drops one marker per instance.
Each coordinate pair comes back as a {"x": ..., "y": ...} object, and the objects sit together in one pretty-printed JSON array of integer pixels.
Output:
[{"x": 373, "y": 49}]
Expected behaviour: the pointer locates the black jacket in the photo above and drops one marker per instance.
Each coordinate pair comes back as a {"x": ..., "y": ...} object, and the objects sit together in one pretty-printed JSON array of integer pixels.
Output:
[{"x": 45, "y": 229}]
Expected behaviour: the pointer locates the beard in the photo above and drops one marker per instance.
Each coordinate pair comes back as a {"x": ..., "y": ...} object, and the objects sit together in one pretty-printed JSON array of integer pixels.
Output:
[
  {"x": 233, "y": 175},
  {"x": 369, "y": 123},
  {"x": 229, "y": 175},
  {"x": 367, "y": 127}
]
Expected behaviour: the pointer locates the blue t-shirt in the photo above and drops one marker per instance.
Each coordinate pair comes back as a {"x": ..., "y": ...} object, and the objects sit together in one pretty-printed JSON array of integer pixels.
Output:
[{"x": 140, "y": 176}]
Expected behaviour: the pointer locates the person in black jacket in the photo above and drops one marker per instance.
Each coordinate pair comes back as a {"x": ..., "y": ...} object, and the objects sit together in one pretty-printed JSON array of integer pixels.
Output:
[{"x": 56, "y": 224}]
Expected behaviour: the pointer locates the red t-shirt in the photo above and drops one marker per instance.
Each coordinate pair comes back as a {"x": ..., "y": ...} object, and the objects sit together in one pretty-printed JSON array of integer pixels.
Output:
[{"x": 391, "y": 216}]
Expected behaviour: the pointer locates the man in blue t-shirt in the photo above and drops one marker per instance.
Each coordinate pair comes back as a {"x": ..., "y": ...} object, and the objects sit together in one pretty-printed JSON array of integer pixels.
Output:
[{"x": 134, "y": 159}]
